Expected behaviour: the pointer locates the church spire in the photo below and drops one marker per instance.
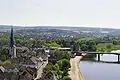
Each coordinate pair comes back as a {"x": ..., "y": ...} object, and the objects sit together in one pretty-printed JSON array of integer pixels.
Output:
[
  {"x": 12, "y": 49},
  {"x": 11, "y": 38}
]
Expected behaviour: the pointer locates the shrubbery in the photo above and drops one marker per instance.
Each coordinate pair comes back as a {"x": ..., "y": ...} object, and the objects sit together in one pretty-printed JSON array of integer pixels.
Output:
[{"x": 61, "y": 66}]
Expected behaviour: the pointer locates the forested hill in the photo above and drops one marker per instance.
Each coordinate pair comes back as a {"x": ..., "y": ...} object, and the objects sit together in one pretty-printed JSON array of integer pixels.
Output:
[{"x": 78, "y": 30}]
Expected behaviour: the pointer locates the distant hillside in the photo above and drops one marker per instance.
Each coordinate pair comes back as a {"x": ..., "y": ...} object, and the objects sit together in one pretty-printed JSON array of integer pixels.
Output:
[
  {"x": 82, "y": 29},
  {"x": 76, "y": 28},
  {"x": 108, "y": 31},
  {"x": 6, "y": 27}
]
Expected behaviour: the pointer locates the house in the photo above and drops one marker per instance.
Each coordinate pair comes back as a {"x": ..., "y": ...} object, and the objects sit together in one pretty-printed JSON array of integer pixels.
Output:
[
  {"x": 6, "y": 73},
  {"x": 2, "y": 69},
  {"x": 28, "y": 73}
]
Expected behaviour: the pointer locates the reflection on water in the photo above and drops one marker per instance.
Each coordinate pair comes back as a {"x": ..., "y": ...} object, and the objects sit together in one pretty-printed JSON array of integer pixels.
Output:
[{"x": 101, "y": 71}]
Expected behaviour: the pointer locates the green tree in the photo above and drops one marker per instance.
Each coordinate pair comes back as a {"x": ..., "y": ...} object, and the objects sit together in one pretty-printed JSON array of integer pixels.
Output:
[
  {"x": 66, "y": 55},
  {"x": 64, "y": 64},
  {"x": 53, "y": 44},
  {"x": 7, "y": 62},
  {"x": 84, "y": 47},
  {"x": 57, "y": 54},
  {"x": 4, "y": 57},
  {"x": 108, "y": 46}
]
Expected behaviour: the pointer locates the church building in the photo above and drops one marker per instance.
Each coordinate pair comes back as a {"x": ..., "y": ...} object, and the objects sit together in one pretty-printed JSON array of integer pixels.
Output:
[{"x": 12, "y": 47}]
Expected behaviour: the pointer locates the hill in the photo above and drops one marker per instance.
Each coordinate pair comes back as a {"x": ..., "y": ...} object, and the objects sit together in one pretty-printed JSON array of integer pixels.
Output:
[{"x": 93, "y": 32}]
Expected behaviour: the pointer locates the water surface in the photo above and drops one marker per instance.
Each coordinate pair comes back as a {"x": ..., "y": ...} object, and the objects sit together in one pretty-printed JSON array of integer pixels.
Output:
[{"x": 101, "y": 71}]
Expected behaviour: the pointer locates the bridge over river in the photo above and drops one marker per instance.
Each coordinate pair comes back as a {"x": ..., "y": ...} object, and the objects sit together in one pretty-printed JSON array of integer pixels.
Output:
[{"x": 98, "y": 53}]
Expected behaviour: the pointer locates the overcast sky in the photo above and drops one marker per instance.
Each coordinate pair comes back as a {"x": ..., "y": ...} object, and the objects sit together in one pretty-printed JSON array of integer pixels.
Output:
[{"x": 95, "y": 13}]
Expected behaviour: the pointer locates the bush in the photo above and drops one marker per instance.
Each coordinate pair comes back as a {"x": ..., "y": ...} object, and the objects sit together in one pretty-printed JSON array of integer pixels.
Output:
[
  {"x": 66, "y": 78},
  {"x": 11, "y": 71},
  {"x": 7, "y": 63}
]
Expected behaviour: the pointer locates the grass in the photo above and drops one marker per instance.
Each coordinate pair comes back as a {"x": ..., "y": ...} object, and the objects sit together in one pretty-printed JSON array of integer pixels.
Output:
[{"x": 107, "y": 47}]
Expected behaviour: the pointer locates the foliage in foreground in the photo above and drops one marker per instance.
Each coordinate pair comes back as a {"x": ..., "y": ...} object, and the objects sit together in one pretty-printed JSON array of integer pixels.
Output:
[{"x": 61, "y": 66}]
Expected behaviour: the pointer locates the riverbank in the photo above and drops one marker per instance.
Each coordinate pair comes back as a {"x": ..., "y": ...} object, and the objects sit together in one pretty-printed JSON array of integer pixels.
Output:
[{"x": 74, "y": 72}]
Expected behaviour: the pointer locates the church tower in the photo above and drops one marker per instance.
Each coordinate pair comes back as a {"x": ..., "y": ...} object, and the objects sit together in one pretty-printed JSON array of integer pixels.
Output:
[{"x": 12, "y": 48}]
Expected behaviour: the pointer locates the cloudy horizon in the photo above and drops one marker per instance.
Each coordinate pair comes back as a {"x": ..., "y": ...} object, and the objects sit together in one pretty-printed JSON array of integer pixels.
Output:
[{"x": 83, "y": 13}]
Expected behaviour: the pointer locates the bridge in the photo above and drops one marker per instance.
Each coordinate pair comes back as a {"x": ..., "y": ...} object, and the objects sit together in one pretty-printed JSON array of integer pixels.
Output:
[{"x": 98, "y": 53}]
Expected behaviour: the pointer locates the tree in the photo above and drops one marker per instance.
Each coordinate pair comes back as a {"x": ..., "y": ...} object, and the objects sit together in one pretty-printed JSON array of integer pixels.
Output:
[
  {"x": 4, "y": 57},
  {"x": 4, "y": 51},
  {"x": 115, "y": 42},
  {"x": 4, "y": 54},
  {"x": 7, "y": 62},
  {"x": 84, "y": 47},
  {"x": 4, "y": 41},
  {"x": 53, "y": 44},
  {"x": 57, "y": 54},
  {"x": 65, "y": 64},
  {"x": 66, "y": 56},
  {"x": 108, "y": 46},
  {"x": 92, "y": 48}
]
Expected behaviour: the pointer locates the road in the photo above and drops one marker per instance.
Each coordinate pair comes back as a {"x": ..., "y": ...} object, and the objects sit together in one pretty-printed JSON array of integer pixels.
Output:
[{"x": 74, "y": 72}]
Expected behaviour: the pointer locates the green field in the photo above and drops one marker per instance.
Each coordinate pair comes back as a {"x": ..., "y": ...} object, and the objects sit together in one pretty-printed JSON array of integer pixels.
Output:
[{"x": 107, "y": 47}]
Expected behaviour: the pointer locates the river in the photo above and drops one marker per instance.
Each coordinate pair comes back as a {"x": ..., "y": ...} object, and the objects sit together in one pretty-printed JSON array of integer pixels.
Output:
[{"x": 101, "y": 71}]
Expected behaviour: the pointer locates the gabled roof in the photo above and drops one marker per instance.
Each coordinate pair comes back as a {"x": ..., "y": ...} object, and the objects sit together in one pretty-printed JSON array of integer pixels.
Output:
[{"x": 2, "y": 69}]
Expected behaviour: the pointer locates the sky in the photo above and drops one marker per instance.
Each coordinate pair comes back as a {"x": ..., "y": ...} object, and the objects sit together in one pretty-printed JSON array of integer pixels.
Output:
[{"x": 84, "y": 13}]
